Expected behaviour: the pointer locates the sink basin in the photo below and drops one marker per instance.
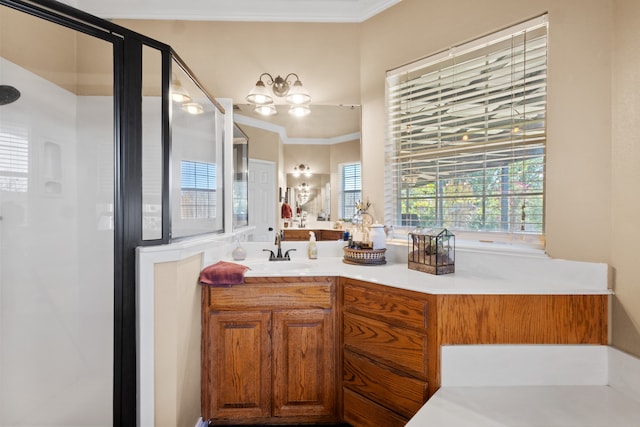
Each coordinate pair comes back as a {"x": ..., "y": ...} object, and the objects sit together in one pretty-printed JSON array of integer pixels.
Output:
[{"x": 278, "y": 266}]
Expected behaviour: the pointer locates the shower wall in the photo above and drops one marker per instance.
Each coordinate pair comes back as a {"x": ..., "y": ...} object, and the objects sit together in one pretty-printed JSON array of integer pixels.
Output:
[{"x": 56, "y": 255}]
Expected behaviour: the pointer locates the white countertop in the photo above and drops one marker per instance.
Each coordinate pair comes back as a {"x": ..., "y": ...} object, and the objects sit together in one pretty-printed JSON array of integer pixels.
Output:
[
  {"x": 528, "y": 406},
  {"x": 475, "y": 273},
  {"x": 534, "y": 386}
]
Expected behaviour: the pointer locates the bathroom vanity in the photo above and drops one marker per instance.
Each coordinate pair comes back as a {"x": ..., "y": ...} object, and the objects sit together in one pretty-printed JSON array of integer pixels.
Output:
[
  {"x": 326, "y": 341},
  {"x": 268, "y": 351}
]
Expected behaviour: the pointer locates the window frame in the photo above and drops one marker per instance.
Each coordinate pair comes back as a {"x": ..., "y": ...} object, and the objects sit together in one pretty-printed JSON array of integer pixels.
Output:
[
  {"x": 209, "y": 189},
  {"x": 343, "y": 192},
  {"x": 399, "y": 145}
]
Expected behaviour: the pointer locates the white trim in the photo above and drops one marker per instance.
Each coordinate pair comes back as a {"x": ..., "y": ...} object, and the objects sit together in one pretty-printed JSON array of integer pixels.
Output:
[
  {"x": 330, "y": 11},
  {"x": 324, "y": 141},
  {"x": 280, "y": 130},
  {"x": 471, "y": 45}
]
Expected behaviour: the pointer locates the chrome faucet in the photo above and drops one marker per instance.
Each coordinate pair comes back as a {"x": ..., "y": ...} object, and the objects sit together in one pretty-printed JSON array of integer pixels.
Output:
[{"x": 279, "y": 256}]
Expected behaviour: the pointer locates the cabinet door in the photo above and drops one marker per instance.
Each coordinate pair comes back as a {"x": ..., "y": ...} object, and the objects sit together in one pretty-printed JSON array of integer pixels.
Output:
[
  {"x": 304, "y": 363},
  {"x": 237, "y": 383}
]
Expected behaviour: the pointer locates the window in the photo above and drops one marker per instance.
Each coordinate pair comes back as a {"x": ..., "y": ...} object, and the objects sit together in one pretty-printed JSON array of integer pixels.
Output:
[
  {"x": 467, "y": 135},
  {"x": 14, "y": 159},
  {"x": 350, "y": 189},
  {"x": 198, "y": 190}
]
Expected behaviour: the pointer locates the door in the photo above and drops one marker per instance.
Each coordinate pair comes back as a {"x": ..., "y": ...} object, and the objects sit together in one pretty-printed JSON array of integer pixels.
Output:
[
  {"x": 304, "y": 364},
  {"x": 262, "y": 200},
  {"x": 236, "y": 379}
]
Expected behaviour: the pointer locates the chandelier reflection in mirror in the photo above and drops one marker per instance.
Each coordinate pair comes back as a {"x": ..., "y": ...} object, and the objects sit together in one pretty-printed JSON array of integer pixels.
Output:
[
  {"x": 302, "y": 169},
  {"x": 294, "y": 94},
  {"x": 304, "y": 192}
]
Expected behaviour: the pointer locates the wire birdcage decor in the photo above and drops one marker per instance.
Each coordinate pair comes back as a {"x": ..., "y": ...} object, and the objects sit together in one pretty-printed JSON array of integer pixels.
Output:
[{"x": 432, "y": 251}]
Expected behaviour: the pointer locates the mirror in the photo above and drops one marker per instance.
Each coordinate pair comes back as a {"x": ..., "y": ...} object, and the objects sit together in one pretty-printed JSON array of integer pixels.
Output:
[
  {"x": 312, "y": 194},
  {"x": 240, "y": 178},
  {"x": 324, "y": 139}
]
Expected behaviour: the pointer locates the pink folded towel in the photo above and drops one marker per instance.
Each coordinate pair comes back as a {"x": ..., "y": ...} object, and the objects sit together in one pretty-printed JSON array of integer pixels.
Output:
[{"x": 223, "y": 273}]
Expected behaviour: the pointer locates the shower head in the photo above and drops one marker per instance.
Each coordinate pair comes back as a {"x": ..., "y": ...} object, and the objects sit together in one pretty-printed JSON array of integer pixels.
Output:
[{"x": 8, "y": 94}]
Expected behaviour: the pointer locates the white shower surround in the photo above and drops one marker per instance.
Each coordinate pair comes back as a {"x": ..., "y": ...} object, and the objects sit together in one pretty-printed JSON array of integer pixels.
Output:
[{"x": 56, "y": 302}]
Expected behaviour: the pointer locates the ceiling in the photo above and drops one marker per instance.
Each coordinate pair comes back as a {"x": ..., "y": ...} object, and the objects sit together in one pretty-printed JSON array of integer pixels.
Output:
[
  {"x": 326, "y": 124},
  {"x": 237, "y": 10}
]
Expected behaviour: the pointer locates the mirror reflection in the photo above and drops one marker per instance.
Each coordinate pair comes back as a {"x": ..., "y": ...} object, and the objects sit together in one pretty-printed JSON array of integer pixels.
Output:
[
  {"x": 240, "y": 178},
  {"x": 321, "y": 142}
]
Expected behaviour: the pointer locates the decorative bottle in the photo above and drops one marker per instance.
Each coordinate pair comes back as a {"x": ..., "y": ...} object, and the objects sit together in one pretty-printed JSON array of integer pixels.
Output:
[
  {"x": 239, "y": 253},
  {"x": 377, "y": 236},
  {"x": 313, "y": 247}
]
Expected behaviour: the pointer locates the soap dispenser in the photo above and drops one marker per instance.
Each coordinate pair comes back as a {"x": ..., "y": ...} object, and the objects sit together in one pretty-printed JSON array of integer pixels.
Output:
[{"x": 313, "y": 247}]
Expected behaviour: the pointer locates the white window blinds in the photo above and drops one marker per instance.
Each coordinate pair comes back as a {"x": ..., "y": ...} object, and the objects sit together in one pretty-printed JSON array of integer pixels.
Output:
[
  {"x": 350, "y": 189},
  {"x": 14, "y": 159},
  {"x": 198, "y": 189},
  {"x": 467, "y": 135}
]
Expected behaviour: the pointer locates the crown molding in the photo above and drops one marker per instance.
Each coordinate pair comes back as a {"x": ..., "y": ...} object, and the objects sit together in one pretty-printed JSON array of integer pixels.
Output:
[
  {"x": 282, "y": 132},
  {"x": 335, "y": 11}
]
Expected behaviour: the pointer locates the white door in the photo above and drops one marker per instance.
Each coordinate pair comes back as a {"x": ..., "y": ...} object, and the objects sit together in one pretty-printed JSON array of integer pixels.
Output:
[{"x": 262, "y": 200}]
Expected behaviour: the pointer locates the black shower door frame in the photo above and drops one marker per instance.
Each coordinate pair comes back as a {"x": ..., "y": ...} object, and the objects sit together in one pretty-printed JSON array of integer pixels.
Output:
[{"x": 127, "y": 85}]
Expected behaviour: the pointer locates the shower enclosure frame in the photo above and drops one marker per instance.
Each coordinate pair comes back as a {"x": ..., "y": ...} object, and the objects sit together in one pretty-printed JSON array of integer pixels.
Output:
[{"x": 128, "y": 191}]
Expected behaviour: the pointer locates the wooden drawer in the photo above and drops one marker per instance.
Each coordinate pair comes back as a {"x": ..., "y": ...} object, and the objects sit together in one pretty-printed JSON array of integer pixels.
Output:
[
  {"x": 399, "y": 307},
  {"x": 398, "y": 347},
  {"x": 390, "y": 388},
  {"x": 272, "y": 293},
  {"x": 296, "y": 235},
  {"x": 362, "y": 412},
  {"x": 303, "y": 234},
  {"x": 331, "y": 234}
]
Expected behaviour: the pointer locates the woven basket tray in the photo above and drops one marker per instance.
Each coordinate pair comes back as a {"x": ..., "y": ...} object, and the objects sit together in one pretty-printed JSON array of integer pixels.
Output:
[{"x": 364, "y": 256}]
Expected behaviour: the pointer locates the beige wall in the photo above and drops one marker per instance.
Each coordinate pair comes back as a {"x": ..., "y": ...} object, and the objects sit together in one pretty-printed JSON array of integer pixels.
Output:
[
  {"x": 177, "y": 342},
  {"x": 228, "y": 57},
  {"x": 625, "y": 166},
  {"x": 263, "y": 145},
  {"x": 39, "y": 46},
  {"x": 316, "y": 155}
]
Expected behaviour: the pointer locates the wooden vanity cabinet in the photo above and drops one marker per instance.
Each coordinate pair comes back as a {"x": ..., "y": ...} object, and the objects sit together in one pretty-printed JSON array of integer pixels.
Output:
[
  {"x": 300, "y": 234},
  {"x": 268, "y": 352},
  {"x": 389, "y": 356}
]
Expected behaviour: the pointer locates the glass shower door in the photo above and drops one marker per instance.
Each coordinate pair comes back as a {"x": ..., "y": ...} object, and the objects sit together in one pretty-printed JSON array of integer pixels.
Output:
[{"x": 56, "y": 226}]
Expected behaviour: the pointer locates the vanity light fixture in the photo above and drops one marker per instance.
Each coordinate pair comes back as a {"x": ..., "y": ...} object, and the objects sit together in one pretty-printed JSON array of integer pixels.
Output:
[
  {"x": 299, "y": 110},
  {"x": 178, "y": 93},
  {"x": 293, "y": 93},
  {"x": 302, "y": 169},
  {"x": 304, "y": 187},
  {"x": 193, "y": 108},
  {"x": 266, "y": 110}
]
